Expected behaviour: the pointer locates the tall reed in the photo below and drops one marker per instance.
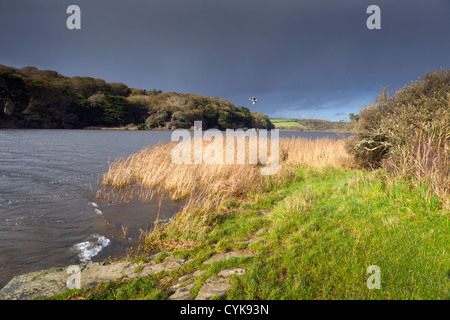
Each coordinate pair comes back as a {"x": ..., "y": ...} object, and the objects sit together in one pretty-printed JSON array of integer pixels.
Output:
[{"x": 152, "y": 168}]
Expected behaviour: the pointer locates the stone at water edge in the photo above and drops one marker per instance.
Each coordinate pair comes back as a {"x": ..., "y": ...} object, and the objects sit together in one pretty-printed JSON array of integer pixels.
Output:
[{"x": 219, "y": 284}]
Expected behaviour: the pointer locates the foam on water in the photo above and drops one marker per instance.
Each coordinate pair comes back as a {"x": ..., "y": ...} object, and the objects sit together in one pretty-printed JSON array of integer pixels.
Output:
[
  {"x": 88, "y": 249},
  {"x": 96, "y": 209}
]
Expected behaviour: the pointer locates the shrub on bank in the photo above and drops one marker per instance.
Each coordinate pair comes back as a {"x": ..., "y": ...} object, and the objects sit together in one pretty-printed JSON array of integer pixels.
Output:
[{"x": 408, "y": 132}]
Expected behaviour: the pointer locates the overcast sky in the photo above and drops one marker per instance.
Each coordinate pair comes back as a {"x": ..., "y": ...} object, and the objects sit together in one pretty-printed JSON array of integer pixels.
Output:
[{"x": 300, "y": 58}]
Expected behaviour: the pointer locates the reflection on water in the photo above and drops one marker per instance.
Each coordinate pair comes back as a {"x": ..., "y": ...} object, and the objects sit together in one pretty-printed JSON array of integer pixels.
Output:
[{"x": 49, "y": 215}]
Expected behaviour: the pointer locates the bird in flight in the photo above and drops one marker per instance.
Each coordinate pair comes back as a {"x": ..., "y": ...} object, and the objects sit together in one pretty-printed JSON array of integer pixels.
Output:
[{"x": 253, "y": 100}]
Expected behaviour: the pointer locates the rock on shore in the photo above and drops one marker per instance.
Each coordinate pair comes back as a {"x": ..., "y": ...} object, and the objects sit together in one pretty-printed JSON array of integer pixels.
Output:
[{"x": 50, "y": 282}]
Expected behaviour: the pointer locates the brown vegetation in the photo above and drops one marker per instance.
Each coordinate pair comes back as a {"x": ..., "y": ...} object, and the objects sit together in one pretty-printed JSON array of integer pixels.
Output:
[
  {"x": 408, "y": 132},
  {"x": 153, "y": 168}
]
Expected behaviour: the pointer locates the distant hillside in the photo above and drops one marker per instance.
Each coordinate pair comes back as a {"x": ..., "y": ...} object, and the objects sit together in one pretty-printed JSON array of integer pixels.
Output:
[
  {"x": 309, "y": 124},
  {"x": 32, "y": 98}
]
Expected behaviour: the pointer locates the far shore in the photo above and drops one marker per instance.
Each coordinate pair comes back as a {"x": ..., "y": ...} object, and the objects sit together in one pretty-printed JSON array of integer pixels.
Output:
[
  {"x": 135, "y": 128},
  {"x": 191, "y": 129}
]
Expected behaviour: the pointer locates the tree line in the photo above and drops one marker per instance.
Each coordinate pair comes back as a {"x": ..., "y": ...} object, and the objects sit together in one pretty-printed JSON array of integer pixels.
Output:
[{"x": 32, "y": 98}]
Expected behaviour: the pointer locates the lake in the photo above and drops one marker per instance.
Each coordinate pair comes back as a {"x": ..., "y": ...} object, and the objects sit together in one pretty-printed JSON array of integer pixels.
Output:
[{"x": 49, "y": 215}]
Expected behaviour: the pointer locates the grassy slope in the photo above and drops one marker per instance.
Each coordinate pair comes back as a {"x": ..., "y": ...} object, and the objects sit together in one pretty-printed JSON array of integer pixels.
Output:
[
  {"x": 281, "y": 123},
  {"x": 317, "y": 124},
  {"x": 309, "y": 124},
  {"x": 322, "y": 232},
  {"x": 332, "y": 225}
]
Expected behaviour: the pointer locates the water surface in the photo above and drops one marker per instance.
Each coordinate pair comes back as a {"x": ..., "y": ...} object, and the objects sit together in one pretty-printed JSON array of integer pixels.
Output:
[{"x": 49, "y": 215}]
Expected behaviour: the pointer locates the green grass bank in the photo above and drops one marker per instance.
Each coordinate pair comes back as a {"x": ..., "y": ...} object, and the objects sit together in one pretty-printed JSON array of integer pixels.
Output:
[{"x": 314, "y": 238}]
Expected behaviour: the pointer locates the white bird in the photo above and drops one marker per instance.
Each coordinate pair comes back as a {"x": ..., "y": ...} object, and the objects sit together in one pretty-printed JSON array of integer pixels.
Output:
[{"x": 253, "y": 100}]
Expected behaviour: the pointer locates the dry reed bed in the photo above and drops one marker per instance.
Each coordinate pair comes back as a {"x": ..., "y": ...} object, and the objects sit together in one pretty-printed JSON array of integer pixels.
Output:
[{"x": 152, "y": 170}]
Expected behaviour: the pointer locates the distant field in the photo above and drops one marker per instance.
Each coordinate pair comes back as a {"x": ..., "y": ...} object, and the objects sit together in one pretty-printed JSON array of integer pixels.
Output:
[
  {"x": 309, "y": 124},
  {"x": 286, "y": 123},
  {"x": 274, "y": 120}
]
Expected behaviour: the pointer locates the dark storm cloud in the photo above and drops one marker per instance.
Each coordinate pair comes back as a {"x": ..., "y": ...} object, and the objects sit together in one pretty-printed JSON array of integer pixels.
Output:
[{"x": 304, "y": 57}]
